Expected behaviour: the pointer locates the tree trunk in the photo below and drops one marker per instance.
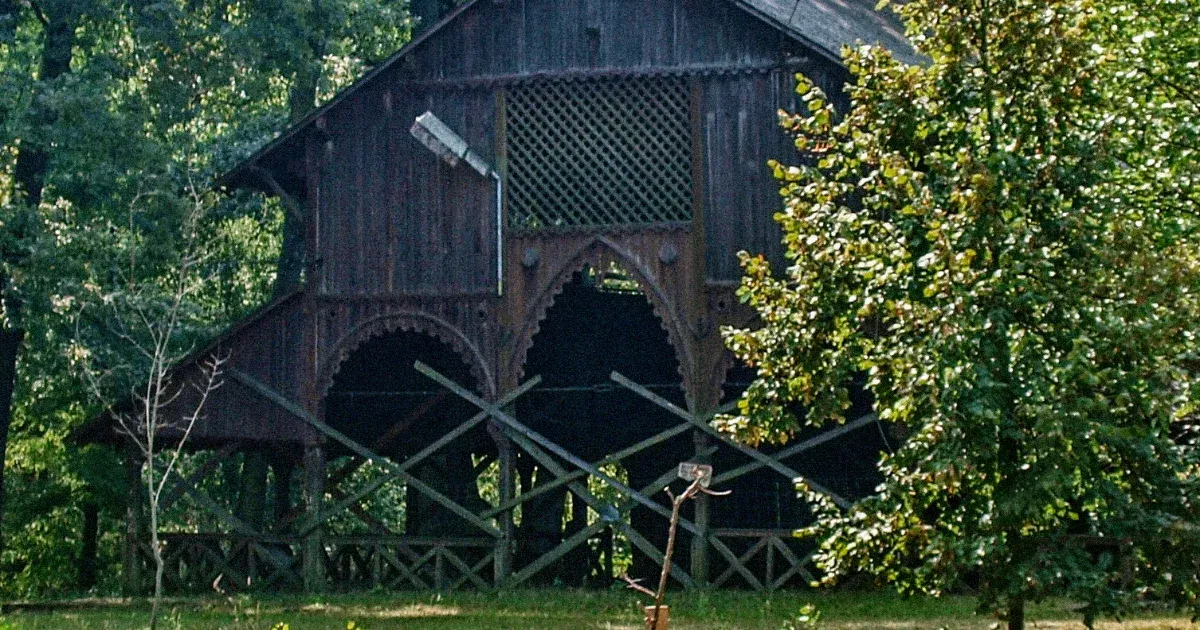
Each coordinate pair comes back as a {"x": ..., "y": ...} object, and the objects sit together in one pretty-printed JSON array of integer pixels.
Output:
[
  {"x": 10, "y": 346},
  {"x": 155, "y": 543},
  {"x": 87, "y": 554},
  {"x": 1016, "y": 612},
  {"x": 135, "y": 526},
  {"x": 29, "y": 176},
  {"x": 29, "y": 173}
]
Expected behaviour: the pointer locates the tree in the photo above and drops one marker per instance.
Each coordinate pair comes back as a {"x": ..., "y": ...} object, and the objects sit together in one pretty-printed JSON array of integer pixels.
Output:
[
  {"x": 147, "y": 311},
  {"x": 997, "y": 244},
  {"x": 57, "y": 21},
  {"x": 205, "y": 79}
]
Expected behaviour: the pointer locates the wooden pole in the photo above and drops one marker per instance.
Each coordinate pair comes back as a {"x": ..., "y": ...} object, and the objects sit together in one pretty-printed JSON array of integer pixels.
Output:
[
  {"x": 254, "y": 489},
  {"x": 252, "y": 506},
  {"x": 314, "y": 495},
  {"x": 283, "y": 490},
  {"x": 508, "y": 490},
  {"x": 134, "y": 524},
  {"x": 699, "y": 551}
]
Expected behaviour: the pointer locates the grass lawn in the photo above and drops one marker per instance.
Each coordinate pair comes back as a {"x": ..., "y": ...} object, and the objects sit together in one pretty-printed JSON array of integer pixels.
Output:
[{"x": 545, "y": 610}]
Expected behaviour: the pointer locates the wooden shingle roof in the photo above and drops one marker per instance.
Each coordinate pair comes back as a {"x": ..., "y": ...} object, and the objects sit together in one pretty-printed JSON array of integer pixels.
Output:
[{"x": 827, "y": 25}]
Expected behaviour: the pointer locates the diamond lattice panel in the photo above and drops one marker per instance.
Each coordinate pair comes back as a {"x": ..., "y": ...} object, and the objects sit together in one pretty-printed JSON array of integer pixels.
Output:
[{"x": 597, "y": 152}]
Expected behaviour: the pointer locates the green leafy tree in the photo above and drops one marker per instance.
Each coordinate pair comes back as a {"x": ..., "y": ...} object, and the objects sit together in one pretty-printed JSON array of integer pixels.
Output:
[
  {"x": 1001, "y": 244},
  {"x": 103, "y": 101}
]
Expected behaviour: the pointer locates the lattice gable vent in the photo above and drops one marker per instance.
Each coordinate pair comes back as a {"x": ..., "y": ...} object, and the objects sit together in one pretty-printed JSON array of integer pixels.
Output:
[{"x": 590, "y": 152}]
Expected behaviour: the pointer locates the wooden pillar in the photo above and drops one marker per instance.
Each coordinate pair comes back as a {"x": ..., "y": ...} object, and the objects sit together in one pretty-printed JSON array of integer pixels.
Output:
[
  {"x": 314, "y": 496},
  {"x": 253, "y": 502},
  {"x": 700, "y": 544},
  {"x": 282, "y": 489},
  {"x": 508, "y": 489},
  {"x": 91, "y": 536},
  {"x": 251, "y": 508},
  {"x": 135, "y": 524}
]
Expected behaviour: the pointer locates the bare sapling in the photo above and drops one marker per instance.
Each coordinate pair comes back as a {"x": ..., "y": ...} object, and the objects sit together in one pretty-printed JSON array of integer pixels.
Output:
[
  {"x": 654, "y": 614},
  {"x": 154, "y": 390}
]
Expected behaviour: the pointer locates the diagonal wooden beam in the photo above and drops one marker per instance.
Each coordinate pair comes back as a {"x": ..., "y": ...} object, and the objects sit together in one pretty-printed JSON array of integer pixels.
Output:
[
  {"x": 222, "y": 565},
  {"x": 177, "y": 488},
  {"x": 796, "y": 449},
  {"x": 797, "y": 565},
  {"x": 559, "y": 551},
  {"x": 649, "y": 549},
  {"x": 468, "y": 573},
  {"x": 387, "y": 439},
  {"x": 340, "y": 475},
  {"x": 413, "y": 461},
  {"x": 517, "y": 428},
  {"x": 582, "y": 535},
  {"x": 288, "y": 573},
  {"x": 704, "y": 426},
  {"x": 737, "y": 564},
  {"x": 405, "y": 573},
  {"x": 487, "y": 561},
  {"x": 357, "y": 510},
  {"x": 239, "y": 526},
  {"x": 363, "y": 451},
  {"x": 579, "y": 474}
]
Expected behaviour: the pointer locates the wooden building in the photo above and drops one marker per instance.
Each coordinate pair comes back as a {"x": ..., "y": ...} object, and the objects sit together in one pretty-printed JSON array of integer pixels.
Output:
[{"x": 629, "y": 141}]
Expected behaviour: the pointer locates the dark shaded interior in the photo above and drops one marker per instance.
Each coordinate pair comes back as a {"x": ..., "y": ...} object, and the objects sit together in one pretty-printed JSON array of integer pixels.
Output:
[
  {"x": 380, "y": 400},
  {"x": 597, "y": 326}
]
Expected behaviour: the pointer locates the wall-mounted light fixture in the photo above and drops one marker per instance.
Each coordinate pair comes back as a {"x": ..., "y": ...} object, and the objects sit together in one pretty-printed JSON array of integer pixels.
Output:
[{"x": 441, "y": 139}]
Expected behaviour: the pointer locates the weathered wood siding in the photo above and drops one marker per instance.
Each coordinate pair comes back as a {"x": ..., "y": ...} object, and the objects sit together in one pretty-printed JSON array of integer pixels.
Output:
[
  {"x": 395, "y": 220},
  {"x": 268, "y": 348},
  {"x": 402, "y": 241}
]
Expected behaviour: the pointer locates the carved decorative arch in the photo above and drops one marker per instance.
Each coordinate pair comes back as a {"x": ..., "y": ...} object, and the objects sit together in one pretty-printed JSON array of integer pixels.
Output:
[
  {"x": 598, "y": 252},
  {"x": 409, "y": 321}
]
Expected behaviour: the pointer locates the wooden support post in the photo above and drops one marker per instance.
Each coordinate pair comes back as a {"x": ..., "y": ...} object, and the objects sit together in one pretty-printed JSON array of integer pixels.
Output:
[
  {"x": 283, "y": 490},
  {"x": 251, "y": 507},
  {"x": 508, "y": 490},
  {"x": 135, "y": 527},
  {"x": 699, "y": 551},
  {"x": 314, "y": 495},
  {"x": 769, "y": 583},
  {"x": 253, "y": 502}
]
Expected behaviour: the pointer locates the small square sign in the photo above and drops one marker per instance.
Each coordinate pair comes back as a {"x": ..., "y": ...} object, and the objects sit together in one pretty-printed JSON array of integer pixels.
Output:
[{"x": 692, "y": 471}]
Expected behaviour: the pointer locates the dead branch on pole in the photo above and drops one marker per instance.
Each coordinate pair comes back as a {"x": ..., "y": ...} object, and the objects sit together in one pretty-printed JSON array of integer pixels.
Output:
[{"x": 701, "y": 476}]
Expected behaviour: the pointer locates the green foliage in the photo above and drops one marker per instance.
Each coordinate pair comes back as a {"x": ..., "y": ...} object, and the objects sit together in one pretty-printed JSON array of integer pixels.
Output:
[
  {"x": 159, "y": 98},
  {"x": 808, "y": 619},
  {"x": 1001, "y": 244}
]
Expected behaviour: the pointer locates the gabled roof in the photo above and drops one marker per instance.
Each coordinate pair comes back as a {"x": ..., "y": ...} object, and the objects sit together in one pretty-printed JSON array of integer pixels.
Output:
[{"x": 822, "y": 25}]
